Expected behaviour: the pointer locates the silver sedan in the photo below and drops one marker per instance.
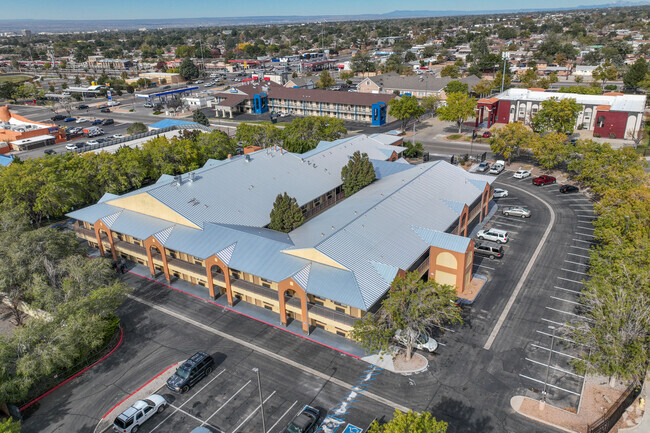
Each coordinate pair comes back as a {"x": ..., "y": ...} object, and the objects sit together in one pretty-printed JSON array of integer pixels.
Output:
[{"x": 516, "y": 211}]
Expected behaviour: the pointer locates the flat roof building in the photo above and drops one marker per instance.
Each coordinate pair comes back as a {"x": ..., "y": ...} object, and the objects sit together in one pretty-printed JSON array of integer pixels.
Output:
[
  {"x": 328, "y": 272},
  {"x": 21, "y": 133}
]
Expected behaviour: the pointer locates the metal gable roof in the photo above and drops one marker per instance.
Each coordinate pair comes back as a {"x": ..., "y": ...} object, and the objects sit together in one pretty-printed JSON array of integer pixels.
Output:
[
  {"x": 443, "y": 240},
  {"x": 138, "y": 225},
  {"x": 93, "y": 213},
  {"x": 386, "y": 168},
  {"x": 336, "y": 284}
]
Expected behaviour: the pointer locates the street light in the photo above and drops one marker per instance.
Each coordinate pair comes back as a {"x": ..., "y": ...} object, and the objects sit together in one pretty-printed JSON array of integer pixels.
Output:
[
  {"x": 504, "y": 56},
  {"x": 548, "y": 364},
  {"x": 259, "y": 386}
]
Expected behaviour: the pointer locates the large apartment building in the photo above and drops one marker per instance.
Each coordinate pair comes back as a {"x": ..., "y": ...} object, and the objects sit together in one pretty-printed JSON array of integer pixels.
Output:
[{"x": 210, "y": 228}]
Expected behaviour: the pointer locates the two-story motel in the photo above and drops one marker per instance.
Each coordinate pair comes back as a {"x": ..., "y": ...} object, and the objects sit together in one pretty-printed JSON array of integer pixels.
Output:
[{"x": 209, "y": 227}]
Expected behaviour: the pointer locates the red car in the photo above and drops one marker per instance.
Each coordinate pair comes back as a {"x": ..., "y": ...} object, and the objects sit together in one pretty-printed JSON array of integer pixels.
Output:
[
  {"x": 543, "y": 180},
  {"x": 487, "y": 134}
]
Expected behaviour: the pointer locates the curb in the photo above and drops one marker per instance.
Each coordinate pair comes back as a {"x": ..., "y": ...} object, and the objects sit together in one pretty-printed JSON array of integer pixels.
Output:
[
  {"x": 515, "y": 403},
  {"x": 76, "y": 374}
]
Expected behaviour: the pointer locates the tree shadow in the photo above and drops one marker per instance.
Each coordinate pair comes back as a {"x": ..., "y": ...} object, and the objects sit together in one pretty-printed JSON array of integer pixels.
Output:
[{"x": 461, "y": 418}]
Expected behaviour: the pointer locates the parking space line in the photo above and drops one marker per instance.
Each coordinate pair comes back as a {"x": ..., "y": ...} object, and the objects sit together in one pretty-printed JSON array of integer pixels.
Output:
[
  {"x": 556, "y": 336},
  {"x": 578, "y": 204},
  {"x": 583, "y": 241},
  {"x": 186, "y": 401},
  {"x": 580, "y": 248},
  {"x": 573, "y": 281},
  {"x": 565, "y": 300},
  {"x": 585, "y": 220},
  {"x": 566, "y": 312},
  {"x": 550, "y": 385},
  {"x": 553, "y": 322},
  {"x": 227, "y": 401},
  {"x": 567, "y": 290},
  {"x": 579, "y": 255},
  {"x": 283, "y": 415},
  {"x": 575, "y": 272},
  {"x": 483, "y": 266},
  {"x": 585, "y": 234},
  {"x": 577, "y": 263},
  {"x": 584, "y": 228},
  {"x": 190, "y": 415},
  {"x": 555, "y": 351},
  {"x": 253, "y": 412},
  {"x": 554, "y": 367}
]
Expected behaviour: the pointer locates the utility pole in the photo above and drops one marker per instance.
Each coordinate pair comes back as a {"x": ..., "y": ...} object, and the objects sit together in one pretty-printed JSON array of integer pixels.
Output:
[
  {"x": 504, "y": 56},
  {"x": 548, "y": 363},
  {"x": 202, "y": 59}
]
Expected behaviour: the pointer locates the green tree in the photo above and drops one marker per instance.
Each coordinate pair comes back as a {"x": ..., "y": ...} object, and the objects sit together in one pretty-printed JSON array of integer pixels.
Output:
[
  {"x": 413, "y": 150},
  {"x": 452, "y": 71},
  {"x": 550, "y": 150},
  {"x": 362, "y": 63},
  {"x": 557, "y": 115},
  {"x": 325, "y": 80},
  {"x": 258, "y": 135},
  {"x": 199, "y": 117},
  {"x": 456, "y": 86},
  {"x": 605, "y": 72},
  {"x": 404, "y": 109},
  {"x": 413, "y": 306},
  {"x": 636, "y": 73},
  {"x": 137, "y": 128},
  {"x": 357, "y": 173},
  {"x": 286, "y": 215},
  {"x": 483, "y": 88},
  {"x": 188, "y": 70},
  {"x": 431, "y": 103},
  {"x": 9, "y": 426},
  {"x": 459, "y": 108},
  {"x": 510, "y": 140},
  {"x": 304, "y": 133},
  {"x": 77, "y": 81},
  {"x": 410, "y": 422},
  {"x": 410, "y": 56}
]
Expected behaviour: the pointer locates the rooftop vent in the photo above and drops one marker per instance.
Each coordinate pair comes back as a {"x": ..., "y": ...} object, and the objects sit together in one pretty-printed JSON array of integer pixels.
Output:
[
  {"x": 192, "y": 177},
  {"x": 248, "y": 158},
  {"x": 178, "y": 180}
]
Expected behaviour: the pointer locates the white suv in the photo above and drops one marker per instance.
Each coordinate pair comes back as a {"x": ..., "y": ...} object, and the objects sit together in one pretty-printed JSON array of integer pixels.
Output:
[
  {"x": 495, "y": 235},
  {"x": 131, "y": 419}
]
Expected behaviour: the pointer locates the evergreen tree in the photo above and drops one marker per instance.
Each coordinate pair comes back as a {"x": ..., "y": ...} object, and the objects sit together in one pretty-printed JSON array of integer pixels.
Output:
[
  {"x": 286, "y": 215},
  {"x": 357, "y": 173},
  {"x": 200, "y": 118},
  {"x": 188, "y": 70},
  {"x": 635, "y": 74},
  {"x": 410, "y": 422}
]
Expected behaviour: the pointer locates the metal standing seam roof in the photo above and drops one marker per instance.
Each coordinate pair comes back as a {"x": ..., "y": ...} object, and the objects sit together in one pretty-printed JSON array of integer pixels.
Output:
[
  {"x": 386, "y": 168},
  {"x": 275, "y": 91},
  {"x": 628, "y": 103}
]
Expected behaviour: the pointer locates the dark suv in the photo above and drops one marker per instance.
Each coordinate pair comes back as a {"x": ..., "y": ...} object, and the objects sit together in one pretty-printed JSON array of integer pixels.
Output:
[
  {"x": 487, "y": 250},
  {"x": 190, "y": 372}
]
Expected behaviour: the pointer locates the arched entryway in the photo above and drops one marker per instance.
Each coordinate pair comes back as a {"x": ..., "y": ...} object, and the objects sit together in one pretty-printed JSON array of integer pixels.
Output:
[
  {"x": 287, "y": 290},
  {"x": 150, "y": 244},
  {"x": 100, "y": 228},
  {"x": 463, "y": 221},
  {"x": 214, "y": 264},
  {"x": 485, "y": 200}
]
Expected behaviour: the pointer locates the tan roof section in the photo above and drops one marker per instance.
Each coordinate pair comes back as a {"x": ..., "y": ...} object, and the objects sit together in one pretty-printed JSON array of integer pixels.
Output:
[
  {"x": 145, "y": 204},
  {"x": 603, "y": 107},
  {"x": 5, "y": 115},
  {"x": 537, "y": 89},
  {"x": 488, "y": 100},
  {"x": 613, "y": 94},
  {"x": 315, "y": 256}
]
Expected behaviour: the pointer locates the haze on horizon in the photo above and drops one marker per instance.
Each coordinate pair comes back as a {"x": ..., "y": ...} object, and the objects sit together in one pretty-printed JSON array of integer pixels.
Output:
[{"x": 170, "y": 9}]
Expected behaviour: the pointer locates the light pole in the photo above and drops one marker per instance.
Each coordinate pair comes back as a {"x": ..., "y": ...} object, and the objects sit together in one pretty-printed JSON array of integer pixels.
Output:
[
  {"x": 504, "y": 56},
  {"x": 548, "y": 364},
  {"x": 259, "y": 386}
]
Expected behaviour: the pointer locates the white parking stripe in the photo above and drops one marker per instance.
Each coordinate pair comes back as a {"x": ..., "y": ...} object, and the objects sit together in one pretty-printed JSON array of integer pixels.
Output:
[
  {"x": 565, "y": 312},
  {"x": 584, "y": 228},
  {"x": 190, "y": 415},
  {"x": 582, "y": 211},
  {"x": 227, "y": 401},
  {"x": 579, "y": 255},
  {"x": 555, "y": 351},
  {"x": 187, "y": 401},
  {"x": 283, "y": 415},
  {"x": 585, "y": 234},
  {"x": 253, "y": 413},
  {"x": 580, "y": 248},
  {"x": 483, "y": 266},
  {"x": 549, "y": 385},
  {"x": 573, "y": 281},
  {"x": 586, "y": 220},
  {"x": 553, "y": 322},
  {"x": 585, "y": 242},
  {"x": 577, "y": 263},
  {"x": 558, "y": 337},
  {"x": 565, "y": 300},
  {"x": 506, "y": 224},
  {"x": 554, "y": 367},
  {"x": 567, "y": 290},
  {"x": 575, "y": 272}
]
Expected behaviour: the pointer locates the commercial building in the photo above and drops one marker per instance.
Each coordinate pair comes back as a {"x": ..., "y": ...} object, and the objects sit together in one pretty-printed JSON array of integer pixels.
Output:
[
  {"x": 328, "y": 272},
  {"x": 415, "y": 85},
  {"x": 350, "y": 106},
  {"x": 610, "y": 115},
  {"x": 19, "y": 133}
]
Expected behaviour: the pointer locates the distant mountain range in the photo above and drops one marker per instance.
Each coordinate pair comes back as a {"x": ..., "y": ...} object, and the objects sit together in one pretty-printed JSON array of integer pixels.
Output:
[{"x": 85, "y": 25}]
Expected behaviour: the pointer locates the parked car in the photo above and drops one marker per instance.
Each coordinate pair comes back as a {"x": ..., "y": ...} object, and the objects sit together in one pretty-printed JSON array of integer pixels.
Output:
[
  {"x": 190, "y": 372},
  {"x": 102, "y": 106},
  {"x": 117, "y": 136},
  {"x": 305, "y": 422},
  {"x": 566, "y": 189},
  {"x": 488, "y": 250},
  {"x": 108, "y": 122},
  {"x": 543, "y": 180},
  {"x": 105, "y": 110},
  {"x": 131, "y": 419},
  {"x": 208, "y": 84},
  {"x": 76, "y": 130},
  {"x": 92, "y": 142},
  {"x": 497, "y": 167},
  {"x": 495, "y": 235},
  {"x": 422, "y": 341},
  {"x": 50, "y": 152},
  {"x": 71, "y": 146},
  {"x": 82, "y": 120},
  {"x": 499, "y": 193},
  {"x": 487, "y": 134},
  {"x": 96, "y": 122},
  {"x": 197, "y": 82},
  {"x": 516, "y": 211},
  {"x": 168, "y": 87},
  {"x": 148, "y": 105},
  {"x": 57, "y": 117},
  {"x": 82, "y": 107},
  {"x": 521, "y": 174},
  {"x": 112, "y": 103},
  {"x": 69, "y": 119},
  {"x": 483, "y": 167}
]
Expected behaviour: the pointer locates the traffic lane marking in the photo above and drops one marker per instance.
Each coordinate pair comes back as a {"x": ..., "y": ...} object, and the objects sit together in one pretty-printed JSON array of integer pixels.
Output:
[{"x": 270, "y": 354}]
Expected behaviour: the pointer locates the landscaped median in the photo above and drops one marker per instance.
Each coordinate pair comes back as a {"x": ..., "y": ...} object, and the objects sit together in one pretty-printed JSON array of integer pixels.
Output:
[{"x": 150, "y": 387}]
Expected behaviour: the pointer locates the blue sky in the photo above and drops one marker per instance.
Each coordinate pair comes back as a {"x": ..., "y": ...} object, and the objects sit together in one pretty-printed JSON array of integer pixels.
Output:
[{"x": 134, "y": 9}]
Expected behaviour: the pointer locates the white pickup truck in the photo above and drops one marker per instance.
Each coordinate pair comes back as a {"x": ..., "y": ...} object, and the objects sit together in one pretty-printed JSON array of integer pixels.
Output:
[{"x": 497, "y": 167}]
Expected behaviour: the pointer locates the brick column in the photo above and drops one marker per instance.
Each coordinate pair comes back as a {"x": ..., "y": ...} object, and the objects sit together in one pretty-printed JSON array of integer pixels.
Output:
[
  {"x": 99, "y": 226},
  {"x": 214, "y": 260},
  {"x": 153, "y": 242}
]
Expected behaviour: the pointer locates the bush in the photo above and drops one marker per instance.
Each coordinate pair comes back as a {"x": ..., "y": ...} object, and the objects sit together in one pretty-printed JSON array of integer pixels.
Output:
[
  {"x": 454, "y": 136},
  {"x": 612, "y": 135},
  {"x": 137, "y": 128},
  {"x": 596, "y": 135}
]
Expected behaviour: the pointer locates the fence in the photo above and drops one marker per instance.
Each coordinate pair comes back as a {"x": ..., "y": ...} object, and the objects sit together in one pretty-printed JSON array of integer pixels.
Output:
[{"x": 606, "y": 422}]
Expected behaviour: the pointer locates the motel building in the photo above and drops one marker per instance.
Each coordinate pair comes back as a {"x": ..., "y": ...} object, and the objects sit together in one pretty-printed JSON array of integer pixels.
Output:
[
  {"x": 610, "y": 115},
  {"x": 269, "y": 96},
  {"x": 209, "y": 227}
]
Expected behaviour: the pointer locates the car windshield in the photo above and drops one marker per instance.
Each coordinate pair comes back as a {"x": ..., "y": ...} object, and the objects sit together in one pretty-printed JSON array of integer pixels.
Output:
[
  {"x": 149, "y": 402},
  {"x": 293, "y": 428},
  {"x": 183, "y": 373}
]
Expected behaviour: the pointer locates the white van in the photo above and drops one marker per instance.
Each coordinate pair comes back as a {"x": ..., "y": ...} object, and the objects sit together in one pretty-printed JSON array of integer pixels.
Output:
[{"x": 422, "y": 341}]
